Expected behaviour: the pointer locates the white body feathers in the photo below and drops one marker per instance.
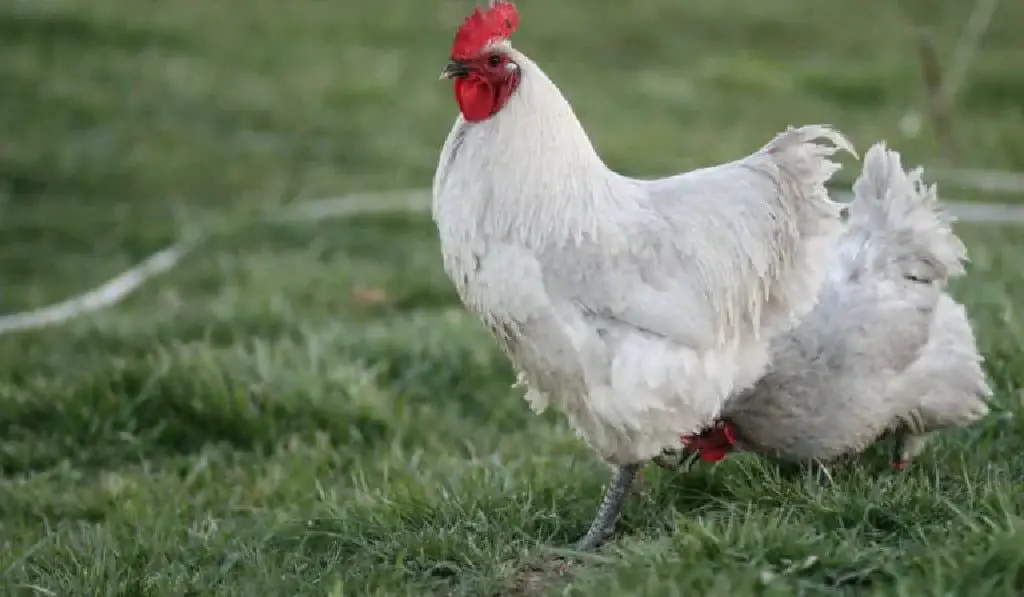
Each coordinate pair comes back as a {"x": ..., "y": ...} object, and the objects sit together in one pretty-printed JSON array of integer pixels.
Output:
[
  {"x": 635, "y": 307},
  {"x": 886, "y": 349}
]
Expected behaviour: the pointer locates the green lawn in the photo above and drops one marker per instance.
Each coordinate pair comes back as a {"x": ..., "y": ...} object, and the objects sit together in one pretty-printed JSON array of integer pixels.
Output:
[{"x": 303, "y": 409}]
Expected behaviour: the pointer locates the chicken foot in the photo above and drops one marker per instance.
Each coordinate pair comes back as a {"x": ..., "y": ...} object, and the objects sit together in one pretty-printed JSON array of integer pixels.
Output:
[
  {"x": 608, "y": 512},
  {"x": 671, "y": 460},
  {"x": 820, "y": 472},
  {"x": 908, "y": 447}
]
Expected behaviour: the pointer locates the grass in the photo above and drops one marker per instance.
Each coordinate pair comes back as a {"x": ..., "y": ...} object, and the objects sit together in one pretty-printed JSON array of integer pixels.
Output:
[{"x": 305, "y": 410}]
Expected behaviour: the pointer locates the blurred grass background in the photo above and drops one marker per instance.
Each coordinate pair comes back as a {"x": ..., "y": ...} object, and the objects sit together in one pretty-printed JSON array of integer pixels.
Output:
[
  {"x": 304, "y": 409},
  {"x": 126, "y": 117}
]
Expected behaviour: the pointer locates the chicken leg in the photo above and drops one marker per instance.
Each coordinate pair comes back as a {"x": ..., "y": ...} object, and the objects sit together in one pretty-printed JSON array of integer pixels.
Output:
[{"x": 608, "y": 512}]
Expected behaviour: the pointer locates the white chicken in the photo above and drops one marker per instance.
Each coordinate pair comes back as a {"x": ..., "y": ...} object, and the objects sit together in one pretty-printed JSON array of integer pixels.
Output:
[
  {"x": 886, "y": 350},
  {"x": 634, "y": 307}
]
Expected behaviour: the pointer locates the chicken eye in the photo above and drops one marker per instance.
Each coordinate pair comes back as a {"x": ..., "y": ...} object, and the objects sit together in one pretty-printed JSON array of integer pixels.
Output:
[{"x": 494, "y": 60}]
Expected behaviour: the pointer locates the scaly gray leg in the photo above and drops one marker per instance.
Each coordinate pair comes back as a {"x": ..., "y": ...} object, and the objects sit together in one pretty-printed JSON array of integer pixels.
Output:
[{"x": 608, "y": 512}]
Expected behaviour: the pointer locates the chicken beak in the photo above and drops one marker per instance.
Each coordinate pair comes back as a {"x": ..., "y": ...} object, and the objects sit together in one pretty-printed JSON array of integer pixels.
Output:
[{"x": 453, "y": 70}]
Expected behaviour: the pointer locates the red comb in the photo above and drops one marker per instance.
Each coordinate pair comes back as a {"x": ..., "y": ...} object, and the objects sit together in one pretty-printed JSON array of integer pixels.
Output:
[{"x": 482, "y": 28}]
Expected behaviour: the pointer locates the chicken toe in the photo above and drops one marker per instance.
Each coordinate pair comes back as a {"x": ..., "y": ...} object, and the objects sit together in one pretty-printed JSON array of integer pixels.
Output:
[
  {"x": 821, "y": 474},
  {"x": 672, "y": 460},
  {"x": 908, "y": 447}
]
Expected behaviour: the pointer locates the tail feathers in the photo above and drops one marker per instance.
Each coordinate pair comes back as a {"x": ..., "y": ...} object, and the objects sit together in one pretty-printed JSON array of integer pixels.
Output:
[
  {"x": 805, "y": 168},
  {"x": 897, "y": 221},
  {"x": 801, "y": 167},
  {"x": 794, "y": 137}
]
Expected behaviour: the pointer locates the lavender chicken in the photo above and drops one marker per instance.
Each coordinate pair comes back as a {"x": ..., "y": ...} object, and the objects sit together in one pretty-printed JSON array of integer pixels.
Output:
[{"x": 886, "y": 352}]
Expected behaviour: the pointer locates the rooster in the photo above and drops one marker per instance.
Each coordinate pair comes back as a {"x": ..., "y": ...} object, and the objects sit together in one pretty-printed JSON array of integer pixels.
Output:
[
  {"x": 634, "y": 307},
  {"x": 886, "y": 352}
]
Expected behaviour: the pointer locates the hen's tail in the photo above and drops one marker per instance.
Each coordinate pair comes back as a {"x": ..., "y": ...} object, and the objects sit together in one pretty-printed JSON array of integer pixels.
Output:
[
  {"x": 897, "y": 230},
  {"x": 896, "y": 226}
]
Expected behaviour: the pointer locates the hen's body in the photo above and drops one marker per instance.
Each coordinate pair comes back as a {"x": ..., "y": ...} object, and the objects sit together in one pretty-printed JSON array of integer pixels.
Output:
[
  {"x": 633, "y": 306},
  {"x": 886, "y": 349}
]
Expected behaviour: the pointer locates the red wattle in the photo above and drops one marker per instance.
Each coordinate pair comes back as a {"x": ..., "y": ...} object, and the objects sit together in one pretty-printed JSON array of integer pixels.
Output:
[{"x": 475, "y": 96}]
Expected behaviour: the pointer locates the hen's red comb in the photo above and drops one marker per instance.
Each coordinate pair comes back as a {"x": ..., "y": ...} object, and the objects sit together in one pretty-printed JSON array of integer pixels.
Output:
[{"x": 481, "y": 28}]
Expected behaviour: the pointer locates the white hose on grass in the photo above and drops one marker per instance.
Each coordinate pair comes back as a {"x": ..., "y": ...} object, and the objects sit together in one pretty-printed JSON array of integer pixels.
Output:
[{"x": 124, "y": 284}]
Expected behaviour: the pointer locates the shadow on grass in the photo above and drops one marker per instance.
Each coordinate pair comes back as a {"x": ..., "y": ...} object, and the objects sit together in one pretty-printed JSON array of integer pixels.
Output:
[
  {"x": 249, "y": 387},
  {"x": 19, "y": 180}
]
